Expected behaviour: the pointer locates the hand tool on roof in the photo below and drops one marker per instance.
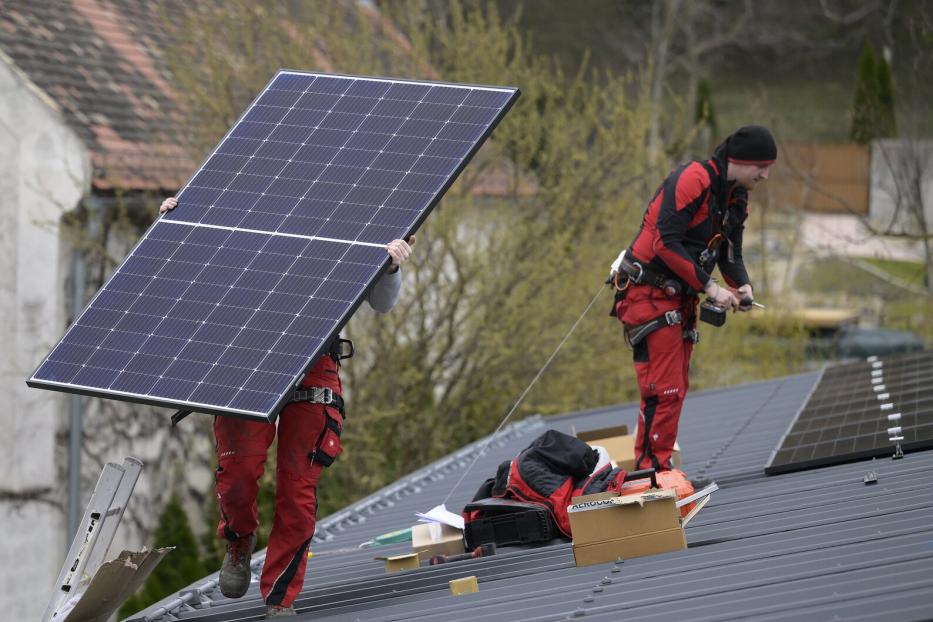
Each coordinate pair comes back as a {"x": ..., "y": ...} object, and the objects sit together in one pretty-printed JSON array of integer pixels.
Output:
[{"x": 484, "y": 550}]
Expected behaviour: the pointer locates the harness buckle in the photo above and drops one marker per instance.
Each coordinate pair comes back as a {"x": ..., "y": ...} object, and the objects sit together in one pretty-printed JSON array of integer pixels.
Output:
[
  {"x": 322, "y": 395},
  {"x": 672, "y": 317},
  {"x": 692, "y": 335}
]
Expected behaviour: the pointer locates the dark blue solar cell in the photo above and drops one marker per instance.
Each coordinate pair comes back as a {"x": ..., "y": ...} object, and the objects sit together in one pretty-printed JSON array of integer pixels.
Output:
[
  {"x": 298, "y": 284},
  {"x": 381, "y": 234},
  {"x": 278, "y": 98},
  {"x": 202, "y": 292},
  {"x": 129, "y": 283},
  {"x": 290, "y": 134},
  {"x": 230, "y": 316},
  {"x": 324, "y": 309},
  {"x": 148, "y": 364},
  {"x": 94, "y": 377},
  {"x": 315, "y": 153},
  {"x": 267, "y": 382},
  {"x": 266, "y": 114},
  {"x": 164, "y": 230},
  {"x": 448, "y": 148},
  {"x": 342, "y": 174},
  {"x": 304, "y": 117},
  {"x": 352, "y": 272},
  {"x": 479, "y": 116},
  {"x": 191, "y": 310},
  {"x": 311, "y": 326},
  {"x": 281, "y": 151},
  {"x": 138, "y": 323},
  {"x": 248, "y": 129},
  {"x": 174, "y": 388},
  {"x": 330, "y": 137},
  {"x": 109, "y": 359},
  {"x": 239, "y": 146},
  {"x": 246, "y": 241},
  {"x": 114, "y": 300},
  {"x": 380, "y": 125},
  {"x": 325, "y": 250},
  {"x": 435, "y": 166},
  {"x": 153, "y": 305},
  {"x": 233, "y": 199},
  {"x": 134, "y": 383},
  {"x": 328, "y": 191},
  {"x": 266, "y": 321},
  {"x": 254, "y": 401},
  {"x": 400, "y": 218},
  {"x": 295, "y": 188},
  {"x": 201, "y": 351},
  {"x": 55, "y": 371},
  {"x": 101, "y": 318},
  {"x": 221, "y": 217},
  {"x": 187, "y": 370},
  {"x": 369, "y": 255},
  {"x": 285, "y": 246},
  {"x": 393, "y": 108},
  {"x": 302, "y": 170},
  {"x": 275, "y": 263},
  {"x": 226, "y": 162},
  {"x": 368, "y": 143},
  {"x": 285, "y": 303},
  {"x": 248, "y": 187},
  {"x": 247, "y": 298},
  {"x": 271, "y": 204},
  {"x": 219, "y": 334},
  {"x": 227, "y": 376},
  {"x": 462, "y": 131},
  {"x": 218, "y": 275},
  {"x": 298, "y": 345},
  {"x": 246, "y": 358},
  {"x": 200, "y": 196},
  {"x": 255, "y": 339},
  {"x": 352, "y": 212},
  {"x": 446, "y": 95},
  {"x": 489, "y": 99},
  {"x": 421, "y": 128},
  {"x": 70, "y": 353},
  {"x": 327, "y": 84},
  {"x": 408, "y": 144},
  {"x": 300, "y": 225},
  {"x": 408, "y": 199},
  {"x": 180, "y": 270},
  {"x": 341, "y": 121},
  {"x": 211, "y": 394},
  {"x": 178, "y": 328},
  {"x": 207, "y": 236},
  {"x": 317, "y": 101},
  {"x": 316, "y": 208},
  {"x": 254, "y": 279},
  {"x": 263, "y": 167},
  {"x": 184, "y": 213},
  {"x": 312, "y": 266},
  {"x": 127, "y": 342},
  {"x": 368, "y": 196},
  {"x": 292, "y": 82},
  {"x": 159, "y": 249},
  {"x": 338, "y": 290},
  {"x": 354, "y": 157},
  {"x": 162, "y": 346},
  {"x": 407, "y": 91},
  {"x": 394, "y": 162},
  {"x": 369, "y": 88},
  {"x": 339, "y": 230},
  {"x": 279, "y": 363},
  {"x": 262, "y": 221},
  {"x": 355, "y": 105},
  {"x": 188, "y": 254},
  {"x": 422, "y": 183},
  {"x": 434, "y": 112}
]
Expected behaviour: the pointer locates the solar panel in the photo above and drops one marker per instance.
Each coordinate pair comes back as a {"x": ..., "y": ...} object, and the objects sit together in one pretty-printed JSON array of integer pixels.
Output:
[
  {"x": 861, "y": 410},
  {"x": 228, "y": 299}
]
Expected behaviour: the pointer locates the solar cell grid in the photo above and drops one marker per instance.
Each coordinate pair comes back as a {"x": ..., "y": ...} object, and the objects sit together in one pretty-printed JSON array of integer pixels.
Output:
[{"x": 228, "y": 299}]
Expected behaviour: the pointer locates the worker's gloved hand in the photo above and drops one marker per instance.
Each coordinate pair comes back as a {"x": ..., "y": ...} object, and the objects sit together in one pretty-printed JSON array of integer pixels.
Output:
[
  {"x": 745, "y": 293},
  {"x": 721, "y": 296},
  {"x": 399, "y": 251},
  {"x": 168, "y": 204}
]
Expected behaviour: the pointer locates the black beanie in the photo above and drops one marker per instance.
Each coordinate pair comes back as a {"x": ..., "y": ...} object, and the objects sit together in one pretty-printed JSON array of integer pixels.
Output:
[{"x": 751, "y": 144}]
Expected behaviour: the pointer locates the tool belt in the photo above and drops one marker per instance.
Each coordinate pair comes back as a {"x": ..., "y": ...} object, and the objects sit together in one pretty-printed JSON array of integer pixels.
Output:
[
  {"x": 637, "y": 334},
  {"x": 319, "y": 395},
  {"x": 641, "y": 273}
]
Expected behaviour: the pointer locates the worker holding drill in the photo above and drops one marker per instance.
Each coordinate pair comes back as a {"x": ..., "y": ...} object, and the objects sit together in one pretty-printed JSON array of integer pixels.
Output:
[{"x": 693, "y": 223}]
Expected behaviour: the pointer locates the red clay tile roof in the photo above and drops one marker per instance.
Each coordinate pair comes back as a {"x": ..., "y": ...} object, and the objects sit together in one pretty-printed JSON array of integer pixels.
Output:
[{"x": 100, "y": 60}]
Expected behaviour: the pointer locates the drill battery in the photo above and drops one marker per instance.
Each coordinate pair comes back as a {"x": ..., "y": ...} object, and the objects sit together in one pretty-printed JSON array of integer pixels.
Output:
[{"x": 711, "y": 313}]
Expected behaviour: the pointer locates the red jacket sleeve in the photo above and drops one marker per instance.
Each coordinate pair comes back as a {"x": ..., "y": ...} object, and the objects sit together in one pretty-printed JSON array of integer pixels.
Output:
[{"x": 685, "y": 192}]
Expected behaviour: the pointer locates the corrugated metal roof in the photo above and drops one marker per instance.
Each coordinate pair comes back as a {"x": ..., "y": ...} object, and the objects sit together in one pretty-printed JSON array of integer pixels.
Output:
[{"x": 812, "y": 545}]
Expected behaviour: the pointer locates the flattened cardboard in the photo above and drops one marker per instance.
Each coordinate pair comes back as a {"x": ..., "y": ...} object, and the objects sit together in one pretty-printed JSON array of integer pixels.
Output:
[
  {"x": 620, "y": 445},
  {"x": 112, "y": 584},
  {"x": 466, "y": 585},
  {"x": 430, "y": 539},
  {"x": 395, "y": 563},
  {"x": 606, "y": 526}
]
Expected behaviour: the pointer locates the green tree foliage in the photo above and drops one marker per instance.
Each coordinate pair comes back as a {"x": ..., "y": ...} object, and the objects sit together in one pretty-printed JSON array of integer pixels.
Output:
[
  {"x": 181, "y": 567},
  {"x": 873, "y": 113}
]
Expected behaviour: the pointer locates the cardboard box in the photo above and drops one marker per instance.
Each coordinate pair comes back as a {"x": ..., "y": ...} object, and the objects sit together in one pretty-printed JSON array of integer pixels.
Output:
[
  {"x": 401, "y": 562},
  {"x": 606, "y": 526},
  {"x": 430, "y": 539},
  {"x": 620, "y": 445}
]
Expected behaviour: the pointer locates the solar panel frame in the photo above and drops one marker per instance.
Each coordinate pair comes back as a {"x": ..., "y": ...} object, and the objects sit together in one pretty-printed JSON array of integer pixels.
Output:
[{"x": 439, "y": 190}]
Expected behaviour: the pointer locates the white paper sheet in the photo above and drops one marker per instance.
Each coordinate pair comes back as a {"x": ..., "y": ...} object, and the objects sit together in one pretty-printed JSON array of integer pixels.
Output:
[{"x": 440, "y": 514}]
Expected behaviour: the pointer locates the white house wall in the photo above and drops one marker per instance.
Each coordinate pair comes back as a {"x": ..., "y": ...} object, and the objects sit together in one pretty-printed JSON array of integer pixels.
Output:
[
  {"x": 896, "y": 166},
  {"x": 44, "y": 173}
]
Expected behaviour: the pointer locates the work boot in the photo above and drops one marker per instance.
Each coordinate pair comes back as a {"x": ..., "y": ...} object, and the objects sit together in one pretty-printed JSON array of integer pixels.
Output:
[
  {"x": 275, "y": 611},
  {"x": 234, "y": 572}
]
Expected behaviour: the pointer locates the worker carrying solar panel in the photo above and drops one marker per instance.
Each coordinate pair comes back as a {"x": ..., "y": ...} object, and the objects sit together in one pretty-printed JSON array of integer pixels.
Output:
[
  {"x": 309, "y": 440},
  {"x": 693, "y": 223}
]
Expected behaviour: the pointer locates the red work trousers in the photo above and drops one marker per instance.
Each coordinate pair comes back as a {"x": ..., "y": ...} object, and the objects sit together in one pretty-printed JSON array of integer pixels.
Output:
[
  {"x": 662, "y": 361},
  {"x": 241, "y": 450}
]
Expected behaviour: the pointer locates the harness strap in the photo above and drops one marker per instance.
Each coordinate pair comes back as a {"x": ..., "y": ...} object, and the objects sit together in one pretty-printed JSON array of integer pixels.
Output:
[
  {"x": 314, "y": 395},
  {"x": 637, "y": 333}
]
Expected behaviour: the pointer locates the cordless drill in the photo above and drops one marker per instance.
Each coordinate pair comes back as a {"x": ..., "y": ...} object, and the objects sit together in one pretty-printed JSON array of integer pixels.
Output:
[{"x": 712, "y": 313}]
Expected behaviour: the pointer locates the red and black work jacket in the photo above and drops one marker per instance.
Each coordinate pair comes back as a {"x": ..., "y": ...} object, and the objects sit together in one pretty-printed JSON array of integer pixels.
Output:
[{"x": 690, "y": 208}]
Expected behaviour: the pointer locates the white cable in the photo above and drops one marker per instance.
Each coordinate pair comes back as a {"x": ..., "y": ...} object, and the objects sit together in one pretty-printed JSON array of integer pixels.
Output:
[{"x": 525, "y": 392}]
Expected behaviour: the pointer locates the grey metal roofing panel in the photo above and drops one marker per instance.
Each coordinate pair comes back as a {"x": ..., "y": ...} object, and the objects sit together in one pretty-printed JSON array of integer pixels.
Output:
[{"x": 814, "y": 545}]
